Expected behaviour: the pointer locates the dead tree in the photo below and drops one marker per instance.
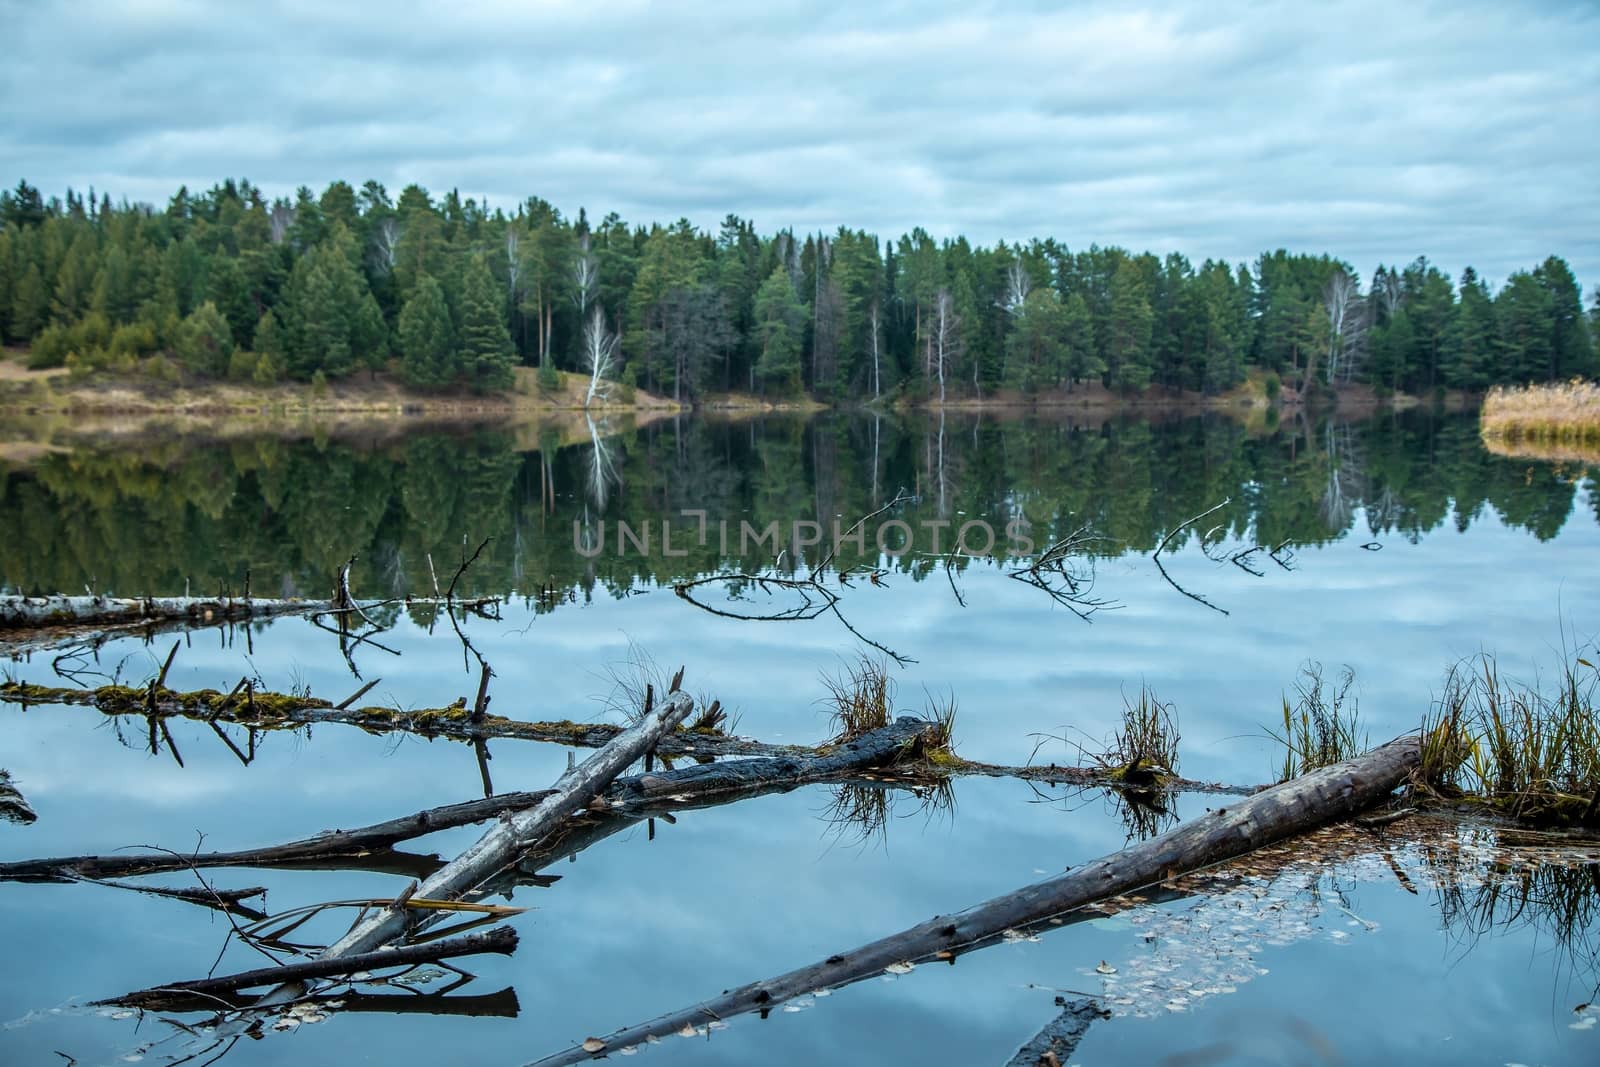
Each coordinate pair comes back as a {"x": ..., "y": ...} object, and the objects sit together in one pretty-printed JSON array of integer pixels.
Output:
[{"x": 1274, "y": 814}]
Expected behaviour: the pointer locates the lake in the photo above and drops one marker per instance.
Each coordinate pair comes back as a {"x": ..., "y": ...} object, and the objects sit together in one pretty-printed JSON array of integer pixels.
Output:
[{"x": 1394, "y": 545}]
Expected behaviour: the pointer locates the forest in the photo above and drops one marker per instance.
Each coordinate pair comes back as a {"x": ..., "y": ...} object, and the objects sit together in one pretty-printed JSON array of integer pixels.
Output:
[{"x": 229, "y": 284}]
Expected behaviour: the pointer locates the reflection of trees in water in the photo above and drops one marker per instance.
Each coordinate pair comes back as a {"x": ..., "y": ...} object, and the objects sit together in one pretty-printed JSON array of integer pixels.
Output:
[
  {"x": 1346, "y": 484},
  {"x": 147, "y": 519}
]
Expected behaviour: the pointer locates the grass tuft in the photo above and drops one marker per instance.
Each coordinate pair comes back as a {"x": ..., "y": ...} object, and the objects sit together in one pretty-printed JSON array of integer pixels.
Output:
[
  {"x": 860, "y": 696},
  {"x": 1144, "y": 748},
  {"x": 941, "y": 711},
  {"x": 1531, "y": 754},
  {"x": 1322, "y": 726}
]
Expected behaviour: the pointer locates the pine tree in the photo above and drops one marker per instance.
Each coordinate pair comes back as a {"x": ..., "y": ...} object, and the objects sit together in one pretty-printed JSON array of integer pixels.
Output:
[
  {"x": 1472, "y": 347},
  {"x": 487, "y": 357},
  {"x": 1571, "y": 348},
  {"x": 205, "y": 341},
  {"x": 1128, "y": 329},
  {"x": 1082, "y": 358},
  {"x": 30, "y": 304},
  {"x": 1525, "y": 312},
  {"x": 779, "y": 322},
  {"x": 427, "y": 339}
]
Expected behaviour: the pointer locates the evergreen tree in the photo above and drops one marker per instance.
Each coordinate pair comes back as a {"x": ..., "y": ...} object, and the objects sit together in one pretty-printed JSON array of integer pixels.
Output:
[
  {"x": 1471, "y": 365},
  {"x": 487, "y": 358},
  {"x": 30, "y": 304},
  {"x": 1571, "y": 348},
  {"x": 427, "y": 339},
  {"x": 1083, "y": 361},
  {"x": 779, "y": 322},
  {"x": 1525, "y": 312},
  {"x": 205, "y": 341},
  {"x": 1128, "y": 330}
]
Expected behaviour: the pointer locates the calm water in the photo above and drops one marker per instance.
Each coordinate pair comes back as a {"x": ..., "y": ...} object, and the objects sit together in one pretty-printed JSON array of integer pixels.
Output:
[{"x": 1394, "y": 545}]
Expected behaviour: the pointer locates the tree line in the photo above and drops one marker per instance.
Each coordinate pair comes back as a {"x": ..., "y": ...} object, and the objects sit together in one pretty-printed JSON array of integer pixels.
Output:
[{"x": 231, "y": 284}]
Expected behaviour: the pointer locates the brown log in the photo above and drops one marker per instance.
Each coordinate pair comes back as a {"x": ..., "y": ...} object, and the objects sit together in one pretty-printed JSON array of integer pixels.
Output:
[{"x": 1280, "y": 812}]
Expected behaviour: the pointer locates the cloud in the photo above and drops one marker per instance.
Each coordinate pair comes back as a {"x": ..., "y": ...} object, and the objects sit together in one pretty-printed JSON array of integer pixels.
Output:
[{"x": 1375, "y": 132}]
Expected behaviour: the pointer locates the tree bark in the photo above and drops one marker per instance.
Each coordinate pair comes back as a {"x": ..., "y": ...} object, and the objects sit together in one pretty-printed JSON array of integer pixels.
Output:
[
  {"x": 516, "y": 830},
  {"x": 502, "y": 941},
  {"x": 1276, "y": 813},
  {"x": 279, "y": 711},
  {"x": 627, "y": 799},
  {"x": 1054, "y": 1045}
]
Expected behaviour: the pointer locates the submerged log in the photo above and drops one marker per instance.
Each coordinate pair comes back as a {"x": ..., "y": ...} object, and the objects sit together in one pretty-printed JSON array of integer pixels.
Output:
[
  {"x": 1054, "y": 1045},
  {"x": 1280, "y": 812},
  {"x": 37, "y": 623},
  {"x": 12, "y": 807},
  {"x": 42, "y": 612},
  {"x": 626, "y": 801},
  {"x": 516, "y": 830},
  {"x": 502, "y": 940},
  {"x": 502, "y": 1004},
  {"x": 336, "y": 844},
  {"x": 265, "y": 710}
]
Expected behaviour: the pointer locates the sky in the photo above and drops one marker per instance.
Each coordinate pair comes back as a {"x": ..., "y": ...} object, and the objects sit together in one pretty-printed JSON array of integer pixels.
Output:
[{"x": 1378, "y": 131}]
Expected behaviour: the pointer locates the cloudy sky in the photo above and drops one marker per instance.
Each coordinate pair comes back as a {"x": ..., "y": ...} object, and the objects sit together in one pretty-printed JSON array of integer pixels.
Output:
[{"x": 1464, "y": 130}]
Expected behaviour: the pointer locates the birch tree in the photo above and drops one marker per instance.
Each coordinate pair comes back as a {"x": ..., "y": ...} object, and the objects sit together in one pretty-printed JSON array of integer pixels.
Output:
[
  {"x": 599, "y": 345},
  {"x": 1342, "y": 302},
  {"x": 585, "y": 275},
  {"x": 944, "y": 336},
  {"x": 1018, "y": 285}
]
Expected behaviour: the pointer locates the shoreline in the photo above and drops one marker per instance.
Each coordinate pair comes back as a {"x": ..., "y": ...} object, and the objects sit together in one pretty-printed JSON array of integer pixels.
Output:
[{"x": 48, "y": 395}]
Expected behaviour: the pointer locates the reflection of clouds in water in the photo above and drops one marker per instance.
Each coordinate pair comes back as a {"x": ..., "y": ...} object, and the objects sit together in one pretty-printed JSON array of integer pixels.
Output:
[{"x": 1483, "y": 882}]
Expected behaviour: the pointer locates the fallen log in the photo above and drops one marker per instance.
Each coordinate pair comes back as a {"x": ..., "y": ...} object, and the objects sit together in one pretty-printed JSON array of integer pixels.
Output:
[
  {"x": 359, "y": 842},
  {"x": 272, "y": 711},
  {"x": 1276, "y": 813},
  {"x": 501, "y": 940},
  {"x": 39, "y": 623},
  {"x": 502, "y": 1004},
  {"x": 12, "y": 807},
  {"x": 40, "y": 612},
  {"x": 499, "y": 847},
  {"x": 626, "y": 800},
  {"x": 516, "y": 830},
  {"x": 43, "y": 612},
  {"x": 1054, "y": 1045}
]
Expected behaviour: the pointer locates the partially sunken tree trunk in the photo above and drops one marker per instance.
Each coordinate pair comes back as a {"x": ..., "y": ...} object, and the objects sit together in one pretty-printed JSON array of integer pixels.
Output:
[
  {"x": 35, "y": 612},
  {"x": 1280, "y": 812},
  {"x": 624, "y": 802}
]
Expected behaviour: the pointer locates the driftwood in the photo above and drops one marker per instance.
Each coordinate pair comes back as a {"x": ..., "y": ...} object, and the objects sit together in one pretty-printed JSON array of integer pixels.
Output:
[
  {"x": 625, "y": 801},
  {"x": 263, "y": 710},
  {"x": 43, "y": 612},
  {"x": 12, "y": 807},
  {"x": 502, "y": 940},
  {"x": 1282, "y": 811},
  {"x": 502, "y": 1004},
  {"x": 516, "y": 830},
  {"x": 1054, "y": 1045},
  {"x": 36, "y": 624},
  {"x": 336, "y": 844}
]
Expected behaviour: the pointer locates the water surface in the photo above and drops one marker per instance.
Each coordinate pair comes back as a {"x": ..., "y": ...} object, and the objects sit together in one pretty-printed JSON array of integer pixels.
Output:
[{"x": 1394, "y": 545}]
